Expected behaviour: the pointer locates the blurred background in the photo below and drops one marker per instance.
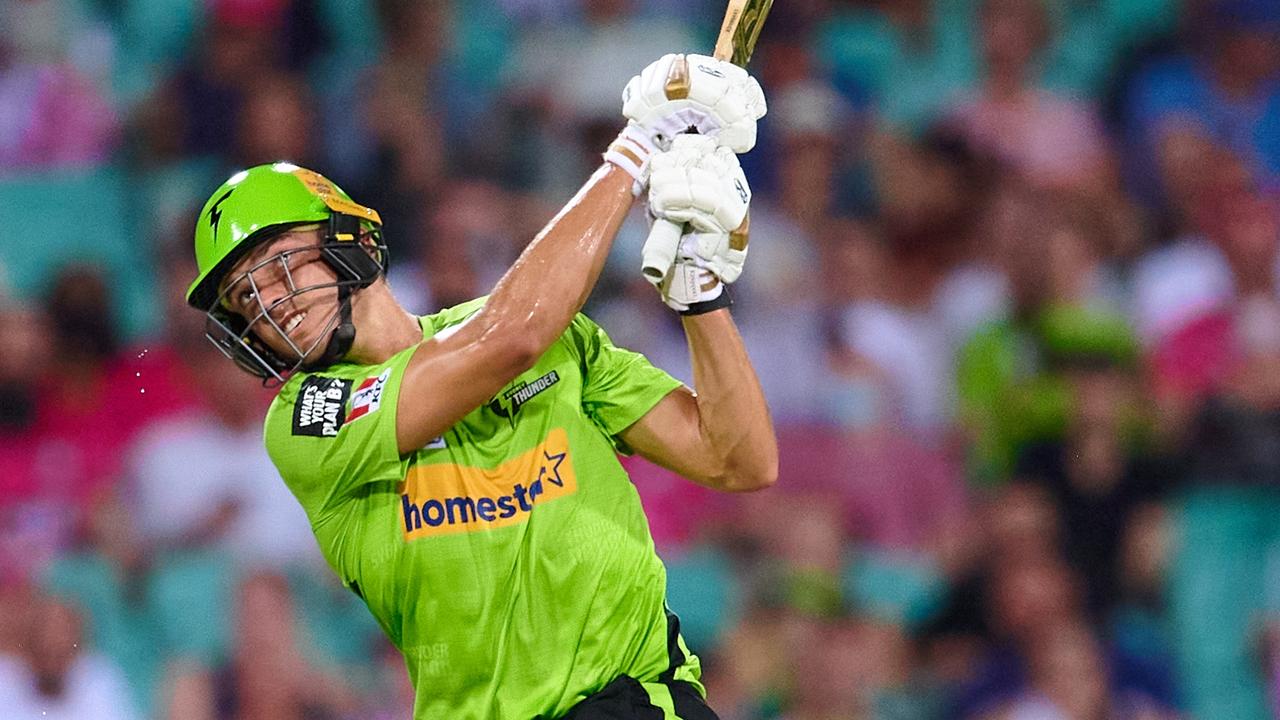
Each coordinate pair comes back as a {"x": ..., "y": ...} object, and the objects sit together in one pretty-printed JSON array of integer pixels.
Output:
[{"x": 1013, "y": 296}]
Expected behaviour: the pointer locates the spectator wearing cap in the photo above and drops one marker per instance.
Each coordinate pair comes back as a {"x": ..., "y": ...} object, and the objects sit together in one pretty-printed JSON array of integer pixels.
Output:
[{"x": 1064, "y": 304}]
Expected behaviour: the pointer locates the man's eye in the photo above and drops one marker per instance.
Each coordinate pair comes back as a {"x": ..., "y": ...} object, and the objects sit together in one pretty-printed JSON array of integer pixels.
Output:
[{"x": 243, "y": 297}]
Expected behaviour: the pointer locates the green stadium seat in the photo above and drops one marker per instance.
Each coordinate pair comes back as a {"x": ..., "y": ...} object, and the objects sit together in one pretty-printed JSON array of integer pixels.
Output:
[{"x": 50, "y": 219}]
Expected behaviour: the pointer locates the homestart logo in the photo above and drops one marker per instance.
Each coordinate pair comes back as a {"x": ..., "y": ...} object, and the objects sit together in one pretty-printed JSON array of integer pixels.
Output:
[{"x": 447, "y": 498}]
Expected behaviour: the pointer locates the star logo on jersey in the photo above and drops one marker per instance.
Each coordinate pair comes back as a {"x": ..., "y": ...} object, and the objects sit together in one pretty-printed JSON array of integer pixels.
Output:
[{"x": 550, "y": 470}]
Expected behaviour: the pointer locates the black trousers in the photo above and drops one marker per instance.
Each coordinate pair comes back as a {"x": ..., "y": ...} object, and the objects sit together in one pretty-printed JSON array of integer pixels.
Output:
[{"x": 628, "y": 699}]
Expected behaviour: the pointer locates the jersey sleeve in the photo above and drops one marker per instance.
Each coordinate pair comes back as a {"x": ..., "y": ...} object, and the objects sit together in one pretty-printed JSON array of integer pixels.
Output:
[
  {"x": 330, "y": 434},
  {"x": 618, "y": 386}
]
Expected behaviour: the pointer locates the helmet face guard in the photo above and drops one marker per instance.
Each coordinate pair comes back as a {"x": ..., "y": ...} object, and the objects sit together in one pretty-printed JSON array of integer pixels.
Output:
[{"x": 357, "y": 258}]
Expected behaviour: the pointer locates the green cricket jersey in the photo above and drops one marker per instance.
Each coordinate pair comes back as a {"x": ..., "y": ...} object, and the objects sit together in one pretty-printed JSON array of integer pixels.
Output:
[{"x": 509, "y": 559}]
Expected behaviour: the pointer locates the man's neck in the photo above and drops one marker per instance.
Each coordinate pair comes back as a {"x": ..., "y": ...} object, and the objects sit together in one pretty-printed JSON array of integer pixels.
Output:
[{"x": 383, "y": 327}]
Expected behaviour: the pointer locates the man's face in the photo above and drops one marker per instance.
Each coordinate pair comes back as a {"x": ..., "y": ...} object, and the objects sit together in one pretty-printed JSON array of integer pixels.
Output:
[{"x": 286, "y": 293}]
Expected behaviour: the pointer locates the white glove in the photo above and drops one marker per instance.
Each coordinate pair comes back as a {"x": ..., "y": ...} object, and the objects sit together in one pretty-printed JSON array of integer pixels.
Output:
[
  {"x": 691, "y": 285},
  {"x": 699, "y": 183},
  {"x": 632, "y": 151},
  {"x": 679, "y": 92}
]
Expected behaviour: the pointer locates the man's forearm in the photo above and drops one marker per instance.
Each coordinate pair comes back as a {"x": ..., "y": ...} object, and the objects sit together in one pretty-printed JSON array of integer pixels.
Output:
[
  {"x": 537, "y": 298},
  {"x": 733, "y": 416}
]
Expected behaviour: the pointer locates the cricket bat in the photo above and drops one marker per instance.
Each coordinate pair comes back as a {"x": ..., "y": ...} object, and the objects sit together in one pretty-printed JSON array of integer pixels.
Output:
[{"x": 743, "y": 20}]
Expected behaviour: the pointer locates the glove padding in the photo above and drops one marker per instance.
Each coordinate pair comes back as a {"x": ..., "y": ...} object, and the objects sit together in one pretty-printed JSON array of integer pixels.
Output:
[
  {"x": 699, "y": 183},
  {"x": 679, "y": 92},
  {"x": 690, "y": 280},
  {"x": 632, "y": 151}
]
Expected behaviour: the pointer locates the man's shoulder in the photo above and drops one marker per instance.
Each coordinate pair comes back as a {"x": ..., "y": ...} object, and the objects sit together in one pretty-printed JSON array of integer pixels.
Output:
[
  {"x": 437, "y": 321},
  {"x": 333, "y": 379}
]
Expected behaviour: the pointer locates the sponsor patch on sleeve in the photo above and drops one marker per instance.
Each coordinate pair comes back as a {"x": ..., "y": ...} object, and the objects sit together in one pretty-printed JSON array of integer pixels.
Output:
[
  {"x": 368, "y": 396},
  {"x": 320, "y": 410}
]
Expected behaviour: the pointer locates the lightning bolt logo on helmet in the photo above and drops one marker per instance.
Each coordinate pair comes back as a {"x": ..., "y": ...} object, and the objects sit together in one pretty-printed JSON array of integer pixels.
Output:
[{"x": 215, "y": 212}]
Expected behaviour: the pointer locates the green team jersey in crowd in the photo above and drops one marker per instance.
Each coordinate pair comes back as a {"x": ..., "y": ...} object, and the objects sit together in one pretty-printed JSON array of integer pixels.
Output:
[{"x": 509, "y": 560}]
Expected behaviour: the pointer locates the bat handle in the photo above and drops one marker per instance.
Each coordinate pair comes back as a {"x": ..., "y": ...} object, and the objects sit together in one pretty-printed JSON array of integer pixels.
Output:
[{"x": 659, "y": 252}]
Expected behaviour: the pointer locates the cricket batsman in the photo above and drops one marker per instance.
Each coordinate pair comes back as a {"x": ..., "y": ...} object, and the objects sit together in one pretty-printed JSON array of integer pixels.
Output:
[{"x": 460, "y": 470}]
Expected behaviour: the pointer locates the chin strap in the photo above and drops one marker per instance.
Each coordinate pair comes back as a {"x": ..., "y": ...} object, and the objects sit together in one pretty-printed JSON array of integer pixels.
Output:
[
  {"x": 342, "y": 337},
  {"x": 358, "y": 270}
]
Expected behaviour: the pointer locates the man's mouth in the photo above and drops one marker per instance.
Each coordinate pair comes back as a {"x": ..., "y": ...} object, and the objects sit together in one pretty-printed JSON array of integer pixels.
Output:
[{"x": 295, "y": 321}]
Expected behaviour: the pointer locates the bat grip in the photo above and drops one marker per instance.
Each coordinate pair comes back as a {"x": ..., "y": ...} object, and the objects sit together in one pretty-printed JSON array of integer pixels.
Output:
[{"x": 659, "y": 252}]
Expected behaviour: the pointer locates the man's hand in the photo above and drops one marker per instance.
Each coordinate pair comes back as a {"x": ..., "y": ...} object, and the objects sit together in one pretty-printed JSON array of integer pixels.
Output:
[
  {"x": 690, "y": 285},
  {"x": 701, "y": 185},
  {"x": 682, "y": 92}
]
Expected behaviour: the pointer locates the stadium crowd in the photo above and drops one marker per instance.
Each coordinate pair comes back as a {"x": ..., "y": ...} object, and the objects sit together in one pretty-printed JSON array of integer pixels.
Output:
[{"x": 1013, "y": 292}]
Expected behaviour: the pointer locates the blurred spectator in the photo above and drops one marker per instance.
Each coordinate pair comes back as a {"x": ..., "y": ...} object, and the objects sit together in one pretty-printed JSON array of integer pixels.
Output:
[
  {"x": 51, "y": 114},
  {"x": 107, "y": 574},
  {"x": 816, "y": 139},
  {"x": 833, "y": 678},
  {"x": 385, "y": 131},
  {"x": 1064, "y": 309},
  {"x": 1031, "y": 601},
  {"x": 798, "y": 651},
  {"x": 1048, "y": 139},
  {"x": 270, "y": 674},
  {"x": 1095, "y": 476},
  {"x": 209, "y": 91},
  {"x": 80, "y": 432},
  {"x": 275, "y": 123},
  {"x": 905, "y": 326},
  {"x": 231, "y": 498},
  {"x": 92, "y": 397},
  {"x": 1226, "y": 92},
  {"x": 899, "y": 489},
  {"x": 1190, "y": 276},
  {"x": 566, "y": 78},
  {"x": 792, "y": 554},
  {"x": 467, "y": 240},
  {"x": 1068, "y": 680},
  {"x": 1221, "y": 339},
  {"x": 1214, "y": 381},
  {"x": 56, "y": 677},
  {"x": 905, "y": 58}
]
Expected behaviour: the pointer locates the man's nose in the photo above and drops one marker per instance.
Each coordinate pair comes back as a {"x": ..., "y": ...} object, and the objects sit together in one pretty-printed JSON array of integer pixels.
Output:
[{"x": 272, "y": 295}]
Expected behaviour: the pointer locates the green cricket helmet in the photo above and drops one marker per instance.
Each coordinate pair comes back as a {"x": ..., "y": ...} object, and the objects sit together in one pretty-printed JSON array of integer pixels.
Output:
[{"x": 253, "y": 207}]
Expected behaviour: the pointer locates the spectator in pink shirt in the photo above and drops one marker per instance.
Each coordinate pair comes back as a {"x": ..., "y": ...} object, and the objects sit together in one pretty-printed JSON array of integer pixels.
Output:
[
  {"x": 50, "y": 115},
  {"x": 1047, "y": 138}
]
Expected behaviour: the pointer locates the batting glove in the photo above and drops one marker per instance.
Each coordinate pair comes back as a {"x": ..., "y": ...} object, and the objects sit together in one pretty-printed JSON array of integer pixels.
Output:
[
  {"x": 690, "y": 285},
  {"x": 700, "y": 183},
  {"x": 678, "y": 93},
  {"x": 697, "y": 188}
]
